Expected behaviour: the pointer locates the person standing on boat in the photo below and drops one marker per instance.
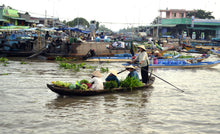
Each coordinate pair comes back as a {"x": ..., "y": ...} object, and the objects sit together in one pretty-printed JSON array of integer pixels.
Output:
[
  {"x": 132, "y": 49},
  {"x": 132, "y": 71},
  {"x": 92, "y": 28},
  {"x": 113, "y": 77},
  {"x": 96, "y": 81},
  {"x": 143, "y": 60}
]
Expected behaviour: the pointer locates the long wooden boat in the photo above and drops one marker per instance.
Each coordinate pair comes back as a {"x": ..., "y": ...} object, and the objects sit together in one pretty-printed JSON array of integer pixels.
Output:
[
  {"x": 76, "y": 92},
  {"x": 182, "y": 65},
  {"x": 109, "y": 59},
  {"x": 127, "y": 59}
]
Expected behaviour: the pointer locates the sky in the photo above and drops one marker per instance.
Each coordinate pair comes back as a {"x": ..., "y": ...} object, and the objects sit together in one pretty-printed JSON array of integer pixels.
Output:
[{"x": 114, "y": 14}]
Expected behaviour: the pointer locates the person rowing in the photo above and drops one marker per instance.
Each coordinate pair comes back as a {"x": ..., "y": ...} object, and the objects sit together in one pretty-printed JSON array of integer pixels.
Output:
[{"x": 143, "y": 60}]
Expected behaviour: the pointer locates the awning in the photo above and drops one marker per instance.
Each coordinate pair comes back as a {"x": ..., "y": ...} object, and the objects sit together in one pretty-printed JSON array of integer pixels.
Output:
[
  {"x": 17, "y": 18},
  {"x": 4, "y": 20},
  {"x": 162, "y": 25},
  {"x": 204, "y": 28},
  {"x": 14, "y": 27}
]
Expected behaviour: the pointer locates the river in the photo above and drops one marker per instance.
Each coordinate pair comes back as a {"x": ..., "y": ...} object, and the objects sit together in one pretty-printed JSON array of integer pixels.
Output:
[{"x": 27, "y": 106}]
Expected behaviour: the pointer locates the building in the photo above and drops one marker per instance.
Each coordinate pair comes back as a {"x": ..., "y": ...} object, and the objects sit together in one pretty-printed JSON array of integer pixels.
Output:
[
  {"x": 176, "y": 24},
  {"x": 175, "y": 13},
  {"x": 11, "y": 17}
]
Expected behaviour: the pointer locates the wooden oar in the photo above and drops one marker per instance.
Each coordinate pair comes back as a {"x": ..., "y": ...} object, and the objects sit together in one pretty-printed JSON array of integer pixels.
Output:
[
  {"x": 121, "y": 71},
  {"x": 163, "y": 80}
]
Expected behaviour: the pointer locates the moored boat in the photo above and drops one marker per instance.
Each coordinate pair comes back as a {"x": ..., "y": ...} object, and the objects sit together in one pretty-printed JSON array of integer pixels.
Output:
[
  {"x": 182, "y": 64},
  {"x": 76, "y": 92}
]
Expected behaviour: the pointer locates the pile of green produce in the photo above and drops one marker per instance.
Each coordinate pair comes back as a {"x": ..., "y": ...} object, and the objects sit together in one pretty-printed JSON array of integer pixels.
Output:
[
  {"x": 80, "y": 85},
  {"x": 130, "y": 82},
  {"x": 110, "y": 85}
]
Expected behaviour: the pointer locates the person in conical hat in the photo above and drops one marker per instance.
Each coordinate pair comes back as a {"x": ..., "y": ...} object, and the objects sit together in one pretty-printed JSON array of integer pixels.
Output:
[
  {"x": 157, "y": 54},
  {"x": 113, "y": 77},
  {"x": 96, "y": 74},
  {"x": 97, "y": 83},
  {"x": 132, "y": 71},
  {"x": 143, "y": 60},
  {"x": 142, "y": 47}
]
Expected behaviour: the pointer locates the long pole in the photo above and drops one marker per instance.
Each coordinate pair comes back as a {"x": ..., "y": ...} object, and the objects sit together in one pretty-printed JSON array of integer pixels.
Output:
[{"x": 164, "y": 80}]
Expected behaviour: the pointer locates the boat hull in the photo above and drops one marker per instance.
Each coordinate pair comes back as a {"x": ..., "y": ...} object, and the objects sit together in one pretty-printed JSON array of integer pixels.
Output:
[{"x": 76, "y": 92}]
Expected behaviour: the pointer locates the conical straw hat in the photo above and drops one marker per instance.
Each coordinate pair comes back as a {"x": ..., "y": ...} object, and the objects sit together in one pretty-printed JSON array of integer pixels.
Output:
[
  {"x": 114, "y": 72},
  {"x": 141, "y": 46},
  {"x": 96, "y": 74}
]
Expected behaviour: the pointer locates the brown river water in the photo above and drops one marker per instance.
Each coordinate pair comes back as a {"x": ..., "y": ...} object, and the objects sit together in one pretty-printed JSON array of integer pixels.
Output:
[{"x": 27, "y": 106}]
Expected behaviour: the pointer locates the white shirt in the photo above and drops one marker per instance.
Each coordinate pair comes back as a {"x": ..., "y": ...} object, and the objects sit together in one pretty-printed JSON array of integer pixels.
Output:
[
  {"x": 142, "y": 56},
  {"x": 98, "y": 83}
]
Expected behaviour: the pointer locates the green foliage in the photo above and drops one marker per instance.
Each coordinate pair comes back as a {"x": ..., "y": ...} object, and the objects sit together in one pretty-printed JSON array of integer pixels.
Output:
[
  {"x": 23, "y": 62},
  {"x": 110, "y": 85},
  {"x": 186, "y": 56},
  {"x": 201, "y": 14},
  {"x": 78, "y": 21},
  {"x": 130, "y": 82},
  {"x": 103, "y": 70},
  {"x": 84, "y": 81},
  {"x": 3, "y": 61},
  {"x": 103, "y": 28},
  {"x": 73, "y": 66},
  {"x": 58, "y": 58}
]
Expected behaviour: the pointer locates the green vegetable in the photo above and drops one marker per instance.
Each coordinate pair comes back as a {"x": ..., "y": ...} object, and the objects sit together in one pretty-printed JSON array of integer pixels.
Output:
[
  {"x": 66, "y": 84},
  {"x": 84, "y": 81},
  {"x": 72, "y": 86},
  {"x": 130, "y": 82},
  {"x": 59, "y": 83},
  {"x": 83, "y": 87},
  {"x": 110, "y": 84}
]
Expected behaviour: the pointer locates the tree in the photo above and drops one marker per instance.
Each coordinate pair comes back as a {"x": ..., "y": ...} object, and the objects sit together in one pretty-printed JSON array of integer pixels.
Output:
[
  {"x": 78, "y": 21},
  {"x": 103, "y": 28},
  {"x": 201, "y": 14},
  {"x": 157, "y": 20}
]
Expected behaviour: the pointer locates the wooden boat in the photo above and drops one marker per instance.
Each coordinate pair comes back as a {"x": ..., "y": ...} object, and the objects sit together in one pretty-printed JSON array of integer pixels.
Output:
[
  {"x": 76, "y": 92},
  {"x": 216, "y": 52},
  {"x": 109, "y": 59},
  {"x": 128, "y": 59},
  {"x": 182, "y": 64}
]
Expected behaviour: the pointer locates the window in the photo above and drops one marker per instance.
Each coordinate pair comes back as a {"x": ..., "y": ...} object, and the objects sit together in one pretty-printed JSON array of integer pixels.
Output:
[
  {"x": 181, "y": 15},
  {"x": 174, "y": 14}
]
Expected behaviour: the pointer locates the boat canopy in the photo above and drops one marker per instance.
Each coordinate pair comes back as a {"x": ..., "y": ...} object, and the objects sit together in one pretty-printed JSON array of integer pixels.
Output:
[{"x": 73, "y": 29}]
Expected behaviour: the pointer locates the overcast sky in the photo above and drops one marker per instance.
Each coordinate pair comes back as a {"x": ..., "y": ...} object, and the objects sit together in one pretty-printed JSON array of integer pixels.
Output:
[{"x": 111, "y": 13}]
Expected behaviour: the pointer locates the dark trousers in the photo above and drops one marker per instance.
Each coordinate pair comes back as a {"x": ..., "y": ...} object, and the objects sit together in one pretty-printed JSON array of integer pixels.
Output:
[{"x": 144, "y": 74}]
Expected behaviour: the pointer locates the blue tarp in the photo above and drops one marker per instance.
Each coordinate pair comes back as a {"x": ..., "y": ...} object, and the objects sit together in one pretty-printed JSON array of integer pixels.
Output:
[{"x": 73, "y": 29}]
